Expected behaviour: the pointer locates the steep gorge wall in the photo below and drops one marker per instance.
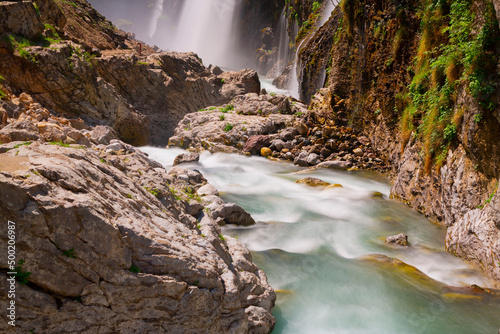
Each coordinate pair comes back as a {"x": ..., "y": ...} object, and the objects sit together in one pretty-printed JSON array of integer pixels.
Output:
[
  {"x": 444, "y": 152},
  {"x": 82, "y": 66}
]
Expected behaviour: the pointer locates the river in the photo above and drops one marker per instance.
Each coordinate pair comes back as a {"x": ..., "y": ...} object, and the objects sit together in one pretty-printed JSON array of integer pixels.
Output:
[{"x": 324, "y": 252}]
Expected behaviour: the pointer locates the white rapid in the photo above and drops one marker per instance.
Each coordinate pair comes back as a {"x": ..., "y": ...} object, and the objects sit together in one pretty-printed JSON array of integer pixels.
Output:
[
  {"x": 204, "y": 27},
  {"x": 158, "y": 9},
  {"x": 284, "y": 42},
  {"x": 293, "y": 83},
  {"x": 324, "y": 252}
]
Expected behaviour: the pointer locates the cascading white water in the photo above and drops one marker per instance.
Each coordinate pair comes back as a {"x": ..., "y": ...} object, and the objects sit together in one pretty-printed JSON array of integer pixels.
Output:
[
  {"x": 204, "y": 27},
  {"x": 284, "y": 43},
  {"x": 324, "y": 252},
  {"x": 293, "y": 83},
  {"x": 158, "y": 9}
]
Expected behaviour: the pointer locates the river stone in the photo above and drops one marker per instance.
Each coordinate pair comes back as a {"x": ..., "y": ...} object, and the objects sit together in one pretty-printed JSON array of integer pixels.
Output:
[
  {"x": 255, "y": 143},
  {"x": 186, "y": 157},
  {"x": 358, "y": 152},
  {"x": 301, "y": 128},
  {"x": 313, "y": 159},
  {"x": 300, "y": 160},
  {"x": 337, "y": 164},
  {"x": 279, "y": 144},
  {"x": 314, "y": 182},
  {"x": 265, "y": 151},
  {"x": 231, "y": 213},
  {"x": 400, "y": 239}
]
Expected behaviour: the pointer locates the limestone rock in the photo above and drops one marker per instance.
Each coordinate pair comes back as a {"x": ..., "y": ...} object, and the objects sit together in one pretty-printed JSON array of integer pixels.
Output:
[
  {"x": 120, "y": 251},
  {"x": 185, "y": 158},
  {"x": 400, "y": 239},
  {"x": 207, "y": 190}
]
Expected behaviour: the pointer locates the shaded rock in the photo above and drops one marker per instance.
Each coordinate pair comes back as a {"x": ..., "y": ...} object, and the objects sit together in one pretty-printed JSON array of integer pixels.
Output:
[
  {"x": 300, "y": 160},
  {"x": 230, "y": 213},
  {"x": 255, "y": 143},
  {"x": 186, "y": 157},
  {"x": 301, "y": 128},
  {"x": 313, "y": 159},
  {"x": 313, "y": 182},
  {"x": 400, "y": 239},
  {"x": 334, "y": 186}
]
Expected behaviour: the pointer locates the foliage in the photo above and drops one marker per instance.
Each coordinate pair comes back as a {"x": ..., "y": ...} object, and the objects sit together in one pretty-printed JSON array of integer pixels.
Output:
[
  {"x": 454, "y": 51},
  {"x": 134, "y": 269},
  {"x": 70, "y": 253},
  {"x": 227, "y": 108},
  {"x": 21, "y": 275},
  {"x": 228, "y": 127},
  {"x": 222, "y": 117}
]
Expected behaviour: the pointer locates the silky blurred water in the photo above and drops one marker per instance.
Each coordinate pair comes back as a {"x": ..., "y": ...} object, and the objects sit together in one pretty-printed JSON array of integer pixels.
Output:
[{"x": 324, "y": 252}]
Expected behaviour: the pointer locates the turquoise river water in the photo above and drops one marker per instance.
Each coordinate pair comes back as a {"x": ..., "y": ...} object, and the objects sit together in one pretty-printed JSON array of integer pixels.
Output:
[{"x": 324, "y": 252}]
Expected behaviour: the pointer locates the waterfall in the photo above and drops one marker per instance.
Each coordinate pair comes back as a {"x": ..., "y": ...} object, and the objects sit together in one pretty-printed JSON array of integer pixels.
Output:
[
  {"x": 204, "y": 27},
  {"x": 284, "y": 43},
  {"x": 293, "y": 83},
  {"x": 158, "y": 9}
]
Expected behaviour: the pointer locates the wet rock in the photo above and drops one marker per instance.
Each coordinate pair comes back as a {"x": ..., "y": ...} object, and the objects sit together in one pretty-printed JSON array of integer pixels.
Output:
[
  {"x": 400, "y": 239},
  {"x": 266, "y": 151},
  {"x": 230, "y": 213},
  {"x": 278, "y": 144},
  {"x": 337, "y": 164},
  {"x": 313, "y": 182},
  {"x": 186, "y": 158},
  {"x": 334, "y": 186},
  {"x": 300, "y": 160},
  {"x": 313, "y": 159},
  {"x": 255, "y": 143}
]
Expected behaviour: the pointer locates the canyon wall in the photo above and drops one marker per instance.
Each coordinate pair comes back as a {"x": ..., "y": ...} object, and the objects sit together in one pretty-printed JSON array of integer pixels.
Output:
[{"x": 424, "y": 89}]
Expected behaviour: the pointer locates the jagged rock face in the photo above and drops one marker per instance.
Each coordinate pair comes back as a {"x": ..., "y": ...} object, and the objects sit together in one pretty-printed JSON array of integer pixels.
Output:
[
  {"x": 140, "y": 94},
  {"x": 227, "y": 128},
  {"x": 142, "y": 100},
  {"x": 86, "y": 220},
  {"x": 20, "y": 17}
]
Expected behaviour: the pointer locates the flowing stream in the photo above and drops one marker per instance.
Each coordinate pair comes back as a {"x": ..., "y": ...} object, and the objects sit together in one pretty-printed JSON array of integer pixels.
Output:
[{"x": 324, "y": 252}]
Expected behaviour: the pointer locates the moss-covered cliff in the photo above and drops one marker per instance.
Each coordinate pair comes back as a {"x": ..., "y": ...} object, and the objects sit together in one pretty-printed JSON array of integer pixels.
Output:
[{"x": 420, "y": 78}]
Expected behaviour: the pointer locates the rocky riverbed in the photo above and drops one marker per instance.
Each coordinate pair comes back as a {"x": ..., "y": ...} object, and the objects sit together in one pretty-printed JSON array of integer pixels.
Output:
[
  {"x": 276, "y": 126},
  {"x": 108, "y": 240}
]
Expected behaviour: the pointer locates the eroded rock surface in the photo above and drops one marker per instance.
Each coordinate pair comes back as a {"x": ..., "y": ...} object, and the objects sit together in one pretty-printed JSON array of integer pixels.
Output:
[{"x": 115, "y": 243}]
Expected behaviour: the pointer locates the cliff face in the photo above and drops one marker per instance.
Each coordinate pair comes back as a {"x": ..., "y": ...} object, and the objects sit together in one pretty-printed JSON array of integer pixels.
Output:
[
  {"x": 85, "y": 67},
  {"x": 424, "y": 89}
]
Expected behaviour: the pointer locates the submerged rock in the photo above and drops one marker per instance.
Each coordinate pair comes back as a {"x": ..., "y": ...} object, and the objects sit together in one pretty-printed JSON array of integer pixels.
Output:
[
  {"x": 186, "y": 157},
  {"x": 400, "y": 239},
  {"x": 313, "y": 182}
]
